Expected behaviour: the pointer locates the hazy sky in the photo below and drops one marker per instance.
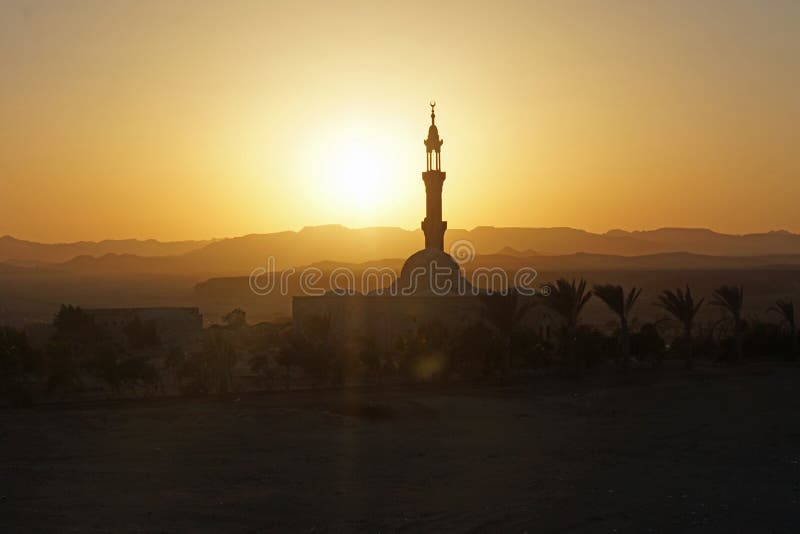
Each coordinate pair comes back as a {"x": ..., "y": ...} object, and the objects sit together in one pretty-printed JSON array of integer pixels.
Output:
[{"x": 180, "y": 120}]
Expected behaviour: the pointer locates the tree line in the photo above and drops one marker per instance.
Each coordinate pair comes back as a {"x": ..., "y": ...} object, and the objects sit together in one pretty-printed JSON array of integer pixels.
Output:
[
  {"x": 82, "y": 355},
  {"x": 500, "y": 345}
]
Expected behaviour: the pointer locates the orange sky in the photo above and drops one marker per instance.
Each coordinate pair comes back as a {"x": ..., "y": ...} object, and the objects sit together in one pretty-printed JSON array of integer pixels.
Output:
[{"x": 182, "y": 120}]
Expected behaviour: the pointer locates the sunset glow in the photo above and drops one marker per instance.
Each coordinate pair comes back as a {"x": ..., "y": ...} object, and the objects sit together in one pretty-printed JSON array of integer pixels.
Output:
[
  {"x": 353, "y": 171},
  {"x": 145, "y": 114}
]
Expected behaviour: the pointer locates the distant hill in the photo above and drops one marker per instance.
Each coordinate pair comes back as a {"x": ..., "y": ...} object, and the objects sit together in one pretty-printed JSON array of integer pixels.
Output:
[
  {"x": 704, "y": 241},
  {"x": 309, "y": 245},
  {"x": 508, "y": 251},
  {"x": 17, "y": 249},
  {"x": 339, "y": 244},
  {"x": 240, "y": 255}
]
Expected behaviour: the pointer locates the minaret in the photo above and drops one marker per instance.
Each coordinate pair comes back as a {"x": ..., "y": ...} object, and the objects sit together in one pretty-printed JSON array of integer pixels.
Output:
[{"x": 433, "y": 225}]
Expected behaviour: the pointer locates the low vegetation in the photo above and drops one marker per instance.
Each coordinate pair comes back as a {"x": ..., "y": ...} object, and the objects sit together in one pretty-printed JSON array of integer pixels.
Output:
[{"x": 85, "y": 360}]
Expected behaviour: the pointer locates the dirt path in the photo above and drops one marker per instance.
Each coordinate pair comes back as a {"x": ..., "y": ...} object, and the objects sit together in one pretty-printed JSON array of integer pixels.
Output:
[{"x": 703, "y": 454}]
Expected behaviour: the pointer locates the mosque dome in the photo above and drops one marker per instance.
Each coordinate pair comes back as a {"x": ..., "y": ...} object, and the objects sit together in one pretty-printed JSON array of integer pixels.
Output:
[{"x": 431, "y": 271}]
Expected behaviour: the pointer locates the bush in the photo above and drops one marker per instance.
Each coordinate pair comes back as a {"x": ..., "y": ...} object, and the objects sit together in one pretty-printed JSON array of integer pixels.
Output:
[
  {"x": 425, "y": 353},
  {"x": 594, "y": 347},
  {"x": 529, "y": 349},
  {"x": 18, "y": 366},
  {"x": 647, "y": 344},
  {"x": 475, "y": 352},
  {"x": 767, "y": 341}
]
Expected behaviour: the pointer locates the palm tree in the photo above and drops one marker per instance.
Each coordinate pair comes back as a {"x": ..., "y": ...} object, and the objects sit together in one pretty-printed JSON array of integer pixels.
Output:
[
  {"x": 567, "y": 299},
  {"x": 730, "y": 298},
  {"x": 614, "y": 297},
  {"x": 237, "y": 318},
  {"x": 684, "y": 309},
  {"x": 221, "y": 355},
  {"x": 786, "y": 310},
  {"x": 503, "y": 312},
  {"x": 317, "y": 354}
]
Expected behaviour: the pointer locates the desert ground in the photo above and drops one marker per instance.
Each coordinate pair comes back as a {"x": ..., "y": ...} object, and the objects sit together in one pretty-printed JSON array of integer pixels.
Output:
[{"x": 715, "y": 450}]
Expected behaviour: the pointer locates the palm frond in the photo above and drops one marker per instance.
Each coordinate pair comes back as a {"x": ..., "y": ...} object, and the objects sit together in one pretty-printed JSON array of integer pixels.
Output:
[
  {"x": 679, "y": 304},
  {"x": 730, "y": 298},
  {"x": 613, "y": 297},
  {"x": 784, "y": 308},
  {"x": 633, "y": 296},
  {"x": 567, "y": 299}
]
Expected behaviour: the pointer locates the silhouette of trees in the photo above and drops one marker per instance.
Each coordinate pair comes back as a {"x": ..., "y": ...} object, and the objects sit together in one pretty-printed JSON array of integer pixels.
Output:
[
  {"x": 765, "y": 340},
  {"x": 683, "y": 308},
  {"x": 209, "y": 370},
  {"x": 567, "y": 300},
  {"x": 136, "y": 371},
  {"x": 312, "y": 349},
  {"x": 81, "y": 353},
  {"x": 221, "y": 355},
  {"x": 617, "y": 301},
  {"x": 80, "y": 348},
  {"x": 103, "y": 363},
  {"x": 378, "y": 363},
  {"x": 236, "y": 318},
  {"x": 530, "y": 349},
  {"x": 195, "y": 376},
  {"x": 289, "y": 353},
  {"x": 73, "y": 348},
  {"x": 62, "y": 364},
  {"x": 473, "y": 351},
  {"x": 785, "y": 309},
  {"x": 731, "y": 298},
  {"x": 316, "y": 354},
  {"x": 593, "y": 346},
  {"x": 267, "y": 339},
  {"x": 647, "y": 343},
  {"x": 18, "y": 366},
  {"x": 174, "y": 362},
  {"x": 503, "y": 312},
  {"x": 425, "y": 352},
  {"x": 119, "y": 370}
]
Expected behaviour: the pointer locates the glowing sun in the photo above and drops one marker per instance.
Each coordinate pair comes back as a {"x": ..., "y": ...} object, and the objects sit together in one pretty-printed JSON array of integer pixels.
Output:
[{"x": 355, "y": 171}]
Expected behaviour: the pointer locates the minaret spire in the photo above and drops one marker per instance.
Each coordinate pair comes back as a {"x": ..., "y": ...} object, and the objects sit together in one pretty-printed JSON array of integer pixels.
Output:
[{"x": 433, "y": 225}]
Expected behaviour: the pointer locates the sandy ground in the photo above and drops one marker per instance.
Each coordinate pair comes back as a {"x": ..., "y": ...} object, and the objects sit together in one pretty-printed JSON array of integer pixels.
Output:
[{"x": 717, "y": 451}]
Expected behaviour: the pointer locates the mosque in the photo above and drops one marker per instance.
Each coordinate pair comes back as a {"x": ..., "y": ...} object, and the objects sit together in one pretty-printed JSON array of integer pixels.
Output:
[{"x": 431, "y": 286}]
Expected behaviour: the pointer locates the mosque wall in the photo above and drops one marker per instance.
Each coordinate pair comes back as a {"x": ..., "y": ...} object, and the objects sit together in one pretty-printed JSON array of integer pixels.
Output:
[{"x": 385, "y": 318}]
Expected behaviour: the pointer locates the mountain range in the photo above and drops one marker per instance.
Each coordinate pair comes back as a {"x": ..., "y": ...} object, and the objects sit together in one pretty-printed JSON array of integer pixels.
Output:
[
  {"x": 240, "y": 255},
  {"x": 30, "y": 251}
]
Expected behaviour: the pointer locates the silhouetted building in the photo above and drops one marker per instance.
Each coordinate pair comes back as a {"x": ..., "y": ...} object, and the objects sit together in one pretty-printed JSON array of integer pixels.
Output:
[
  {"x": 431, "y": 286},
  {"x": 431, "y": 271}
]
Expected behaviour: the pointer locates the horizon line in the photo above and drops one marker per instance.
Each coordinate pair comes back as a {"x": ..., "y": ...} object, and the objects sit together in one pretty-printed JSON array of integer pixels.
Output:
[{"x": 390, "y": 227}]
